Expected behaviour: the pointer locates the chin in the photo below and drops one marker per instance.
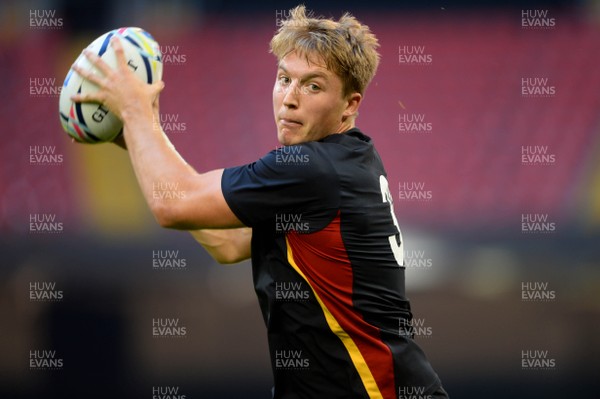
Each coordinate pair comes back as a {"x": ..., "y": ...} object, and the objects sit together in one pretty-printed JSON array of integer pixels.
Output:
[{"x": 285, "y": 139}]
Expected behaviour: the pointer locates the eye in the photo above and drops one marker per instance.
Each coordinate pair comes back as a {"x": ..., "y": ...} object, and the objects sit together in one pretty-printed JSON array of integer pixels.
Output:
[
  {"x": 314, "y": 87},
  {"x": 283, "y": 80}
]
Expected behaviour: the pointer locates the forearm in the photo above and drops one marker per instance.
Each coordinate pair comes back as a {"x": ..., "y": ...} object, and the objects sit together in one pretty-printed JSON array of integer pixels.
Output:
[
  {"x": 226, "y": 245},
  {"x": 155, "y": 161}
]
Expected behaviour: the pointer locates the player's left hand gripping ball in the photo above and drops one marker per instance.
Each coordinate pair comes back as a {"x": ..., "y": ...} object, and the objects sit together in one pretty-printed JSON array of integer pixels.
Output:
[{"x": 94, "y": 123}]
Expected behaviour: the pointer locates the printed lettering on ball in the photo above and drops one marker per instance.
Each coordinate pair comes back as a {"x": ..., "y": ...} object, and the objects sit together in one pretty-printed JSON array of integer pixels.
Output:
[{"x": 94, "y": 123}]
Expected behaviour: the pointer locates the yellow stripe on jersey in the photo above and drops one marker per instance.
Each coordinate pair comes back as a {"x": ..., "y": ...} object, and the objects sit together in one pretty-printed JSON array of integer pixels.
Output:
[{"x": 357, "y": 357}]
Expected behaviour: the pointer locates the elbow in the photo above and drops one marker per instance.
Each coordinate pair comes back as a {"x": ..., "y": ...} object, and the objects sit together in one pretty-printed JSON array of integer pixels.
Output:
[
  {"x": 166, "y": 215},
  {"x": 224, "y": 261},
  {"x": 228, "y": 258}
]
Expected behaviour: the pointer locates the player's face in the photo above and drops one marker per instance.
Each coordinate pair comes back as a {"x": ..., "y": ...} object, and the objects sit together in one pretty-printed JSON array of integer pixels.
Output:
[{"x": 308, "y": 101}]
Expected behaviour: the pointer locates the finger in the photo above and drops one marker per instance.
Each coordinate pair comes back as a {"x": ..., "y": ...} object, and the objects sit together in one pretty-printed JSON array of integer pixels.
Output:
[
  {"x": 98, "y": 62},
  {"x": 157, "y": 87},
  {"x": 155, "y": 90},
  {"x": 88, "y": 98},
  {"x": 115, "y": 42},
  {"x": 87, "y": 74}
]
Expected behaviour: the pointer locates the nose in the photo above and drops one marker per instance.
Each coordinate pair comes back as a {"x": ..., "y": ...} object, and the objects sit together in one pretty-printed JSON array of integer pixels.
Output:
[{"x": 290, "y": 97}]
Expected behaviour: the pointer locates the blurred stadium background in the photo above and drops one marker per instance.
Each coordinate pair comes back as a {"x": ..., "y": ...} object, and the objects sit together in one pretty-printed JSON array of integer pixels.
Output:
[{"x": 469, "y": 255}]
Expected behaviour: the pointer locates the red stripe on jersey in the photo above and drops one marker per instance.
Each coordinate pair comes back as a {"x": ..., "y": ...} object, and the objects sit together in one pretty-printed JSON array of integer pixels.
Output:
[{"x": 322, "y": 259}]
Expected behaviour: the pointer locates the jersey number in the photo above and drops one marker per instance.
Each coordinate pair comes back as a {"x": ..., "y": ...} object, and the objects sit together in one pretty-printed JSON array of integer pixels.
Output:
[{"x": 395, "y": 239}]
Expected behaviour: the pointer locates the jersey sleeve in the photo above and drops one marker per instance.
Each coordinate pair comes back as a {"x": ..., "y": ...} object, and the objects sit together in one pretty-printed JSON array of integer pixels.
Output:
[{"x": 291, "y": 184}]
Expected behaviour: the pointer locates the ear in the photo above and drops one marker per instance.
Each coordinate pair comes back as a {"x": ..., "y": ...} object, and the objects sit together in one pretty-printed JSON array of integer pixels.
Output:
[{"x": 352, "y": 103}]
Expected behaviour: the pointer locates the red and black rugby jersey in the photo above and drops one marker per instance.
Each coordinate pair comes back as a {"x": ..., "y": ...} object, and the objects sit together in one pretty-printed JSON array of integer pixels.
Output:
[{"x": 328, "y": 270}]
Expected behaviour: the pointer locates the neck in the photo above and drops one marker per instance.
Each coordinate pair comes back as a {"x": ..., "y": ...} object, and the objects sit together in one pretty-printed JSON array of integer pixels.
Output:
[{"x": 345, "y": 125}]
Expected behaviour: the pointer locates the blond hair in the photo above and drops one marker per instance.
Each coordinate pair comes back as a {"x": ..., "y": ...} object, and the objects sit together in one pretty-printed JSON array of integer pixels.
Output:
[{"x": 348, "y": 48}]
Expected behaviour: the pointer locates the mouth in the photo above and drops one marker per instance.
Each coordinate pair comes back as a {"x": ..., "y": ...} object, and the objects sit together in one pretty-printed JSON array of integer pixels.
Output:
[{"x": 285, "y": 122}]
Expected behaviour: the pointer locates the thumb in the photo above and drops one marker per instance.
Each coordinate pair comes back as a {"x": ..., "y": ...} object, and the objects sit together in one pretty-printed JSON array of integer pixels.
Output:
[{"x": 155, "y": 90}]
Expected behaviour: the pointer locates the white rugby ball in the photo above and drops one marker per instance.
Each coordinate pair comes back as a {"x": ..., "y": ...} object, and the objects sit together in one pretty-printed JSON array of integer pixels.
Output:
[{"x": 93, "y": 123}]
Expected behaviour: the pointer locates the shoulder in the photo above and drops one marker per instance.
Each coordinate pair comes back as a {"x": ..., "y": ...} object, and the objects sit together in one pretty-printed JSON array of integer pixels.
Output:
[
  {"x": 288, "y": 179},
  {"x": 351, "y": 140},
  {"x": 287, "y": 170}
]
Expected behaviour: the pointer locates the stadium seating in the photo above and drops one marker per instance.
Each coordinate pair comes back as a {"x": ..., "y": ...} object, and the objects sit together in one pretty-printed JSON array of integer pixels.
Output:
[{"x": 470, "y": 93}]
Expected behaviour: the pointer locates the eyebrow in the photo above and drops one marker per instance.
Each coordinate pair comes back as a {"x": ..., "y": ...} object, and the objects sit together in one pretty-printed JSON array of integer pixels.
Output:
[{"x": 308, "y": 76}]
